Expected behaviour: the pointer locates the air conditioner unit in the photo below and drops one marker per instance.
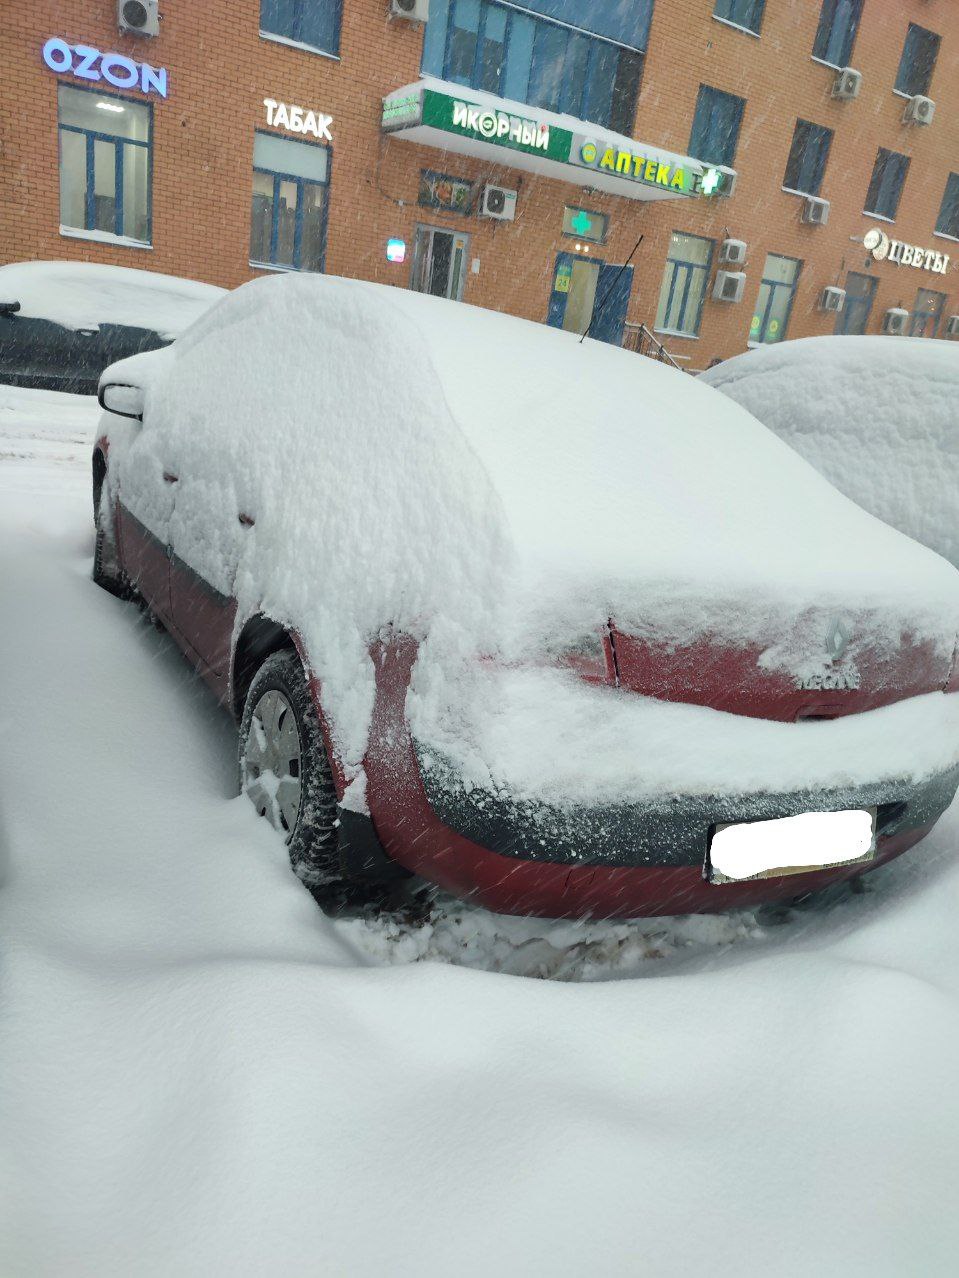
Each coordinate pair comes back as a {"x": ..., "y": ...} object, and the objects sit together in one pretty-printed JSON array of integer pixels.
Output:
[
  {"x": 139, "y": 17},
  {"x": 832, "y": 298},
  {"x": 412, "y": 10},
  {"x": 952, "y": 326},
  {"x": 498, "y": 203},
  {"x": 919, "y": 110},
  {"x": 733, "y": 252},
  {"x": 815, "y": 212},
  {"x": 894, "y": 321},
  {"x": 847, "y": 84},
  {"x": 729, "y": 286}
]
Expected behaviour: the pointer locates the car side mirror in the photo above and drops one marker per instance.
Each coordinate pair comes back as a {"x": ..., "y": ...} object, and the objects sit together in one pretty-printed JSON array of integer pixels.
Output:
[{"x": 122, "y": 399}]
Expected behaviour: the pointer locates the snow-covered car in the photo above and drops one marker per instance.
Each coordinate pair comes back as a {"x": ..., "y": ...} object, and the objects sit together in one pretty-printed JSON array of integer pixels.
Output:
[
  {"x": 877, "y": 418},
  {"x": 62, "y": 323},
  {"x": 548, "y": 624}
]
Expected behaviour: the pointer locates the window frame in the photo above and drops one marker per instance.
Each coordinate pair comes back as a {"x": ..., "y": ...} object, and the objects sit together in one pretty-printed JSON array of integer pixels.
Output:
[
  {"x": 869, "y": 212},
  {"x": 279, "y": 177},
  {"x": 696, "y": 151},
  {"x": 850, "y": 38},
  {"x": 936, "y": 314},
  {"x": 294, "y": 41},
  {"x": 840, "y": 328},
  {"x": 89, "y": 193},
  {"x": 905, "y": 93},
  {"x": 952, "y": 181},
  {"x": 633, "y": 67},
  {"x": 798, "y": 190},
  {"x": 773, "y": 285},
  {"x": 742, "y": 26},
  {"x": 673, "y": 265}
]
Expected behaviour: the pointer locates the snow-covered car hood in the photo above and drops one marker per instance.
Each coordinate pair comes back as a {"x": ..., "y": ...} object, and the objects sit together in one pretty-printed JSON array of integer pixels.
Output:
[
  {"x": 495, "y": 483},
  {"x": 876, "y": 416}
]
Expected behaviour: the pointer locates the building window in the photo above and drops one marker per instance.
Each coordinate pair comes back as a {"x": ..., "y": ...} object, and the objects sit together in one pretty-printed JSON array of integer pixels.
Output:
[
  {"x": 440, "y": 191},
  {"x": 585, "y": 224},
  {"x": 288, "y": 226},
  {"x": 836, "y": 33},
  {"x": 885, "y": 189},
  {"x": 808, "y": 154},
  {"x": 315, "y": 23},
  {"x": 948, "y": 221},
  {"x": 776, "y": 293},
  {"x": 927, "y": 313},
  {"x": 716, "y": 126},
  {"x": 589, "y": 69},
  {"x": 744, "y": 13},
  {"x": 684, "y": 284},
  {"x": 918, "y": 61},
  {"x": 860, "y": 293},
  {"x": 105, "y": 163}
]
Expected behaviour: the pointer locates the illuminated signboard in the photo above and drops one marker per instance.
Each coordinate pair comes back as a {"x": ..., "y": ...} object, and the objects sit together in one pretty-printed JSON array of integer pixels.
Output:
[
  {"x": 605, "y": 157},
  {"x": 395, "y": 250},
  {"x": 294, "y": 118},
  {"x": 87, "y": 63},
  {"x": 884, "y": 249}
]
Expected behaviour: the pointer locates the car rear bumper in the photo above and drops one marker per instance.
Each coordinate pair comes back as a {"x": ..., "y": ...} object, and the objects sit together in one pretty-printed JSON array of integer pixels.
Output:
[{"x": 620, "y": 861}]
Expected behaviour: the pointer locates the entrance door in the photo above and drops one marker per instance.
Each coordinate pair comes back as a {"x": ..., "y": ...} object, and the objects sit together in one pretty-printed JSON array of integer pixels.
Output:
[
  {"x": 439, "y": 262},
  {"x": 927, "y": 313},
  {"x": 589, "y": 291},
  {"x": 860, "y": 291}
]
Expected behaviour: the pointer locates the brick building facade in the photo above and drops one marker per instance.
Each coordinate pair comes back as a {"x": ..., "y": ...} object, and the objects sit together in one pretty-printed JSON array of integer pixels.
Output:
[{"x": 688, "y": 74}]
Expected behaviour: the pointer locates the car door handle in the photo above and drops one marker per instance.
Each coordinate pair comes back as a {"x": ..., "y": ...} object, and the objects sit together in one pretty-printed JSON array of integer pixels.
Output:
[{"x": 170, "y": 479}]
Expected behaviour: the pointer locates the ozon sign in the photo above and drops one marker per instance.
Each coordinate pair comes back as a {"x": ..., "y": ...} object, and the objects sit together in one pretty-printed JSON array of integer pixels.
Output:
[
  {"x": 883, "y": 249},
  {"x": 87, "y": 63},
  {"x": 294, "y": 118}
]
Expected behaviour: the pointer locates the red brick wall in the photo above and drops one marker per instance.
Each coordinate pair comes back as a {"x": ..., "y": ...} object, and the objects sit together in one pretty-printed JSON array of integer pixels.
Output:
[{"x": 220, "y": 71}]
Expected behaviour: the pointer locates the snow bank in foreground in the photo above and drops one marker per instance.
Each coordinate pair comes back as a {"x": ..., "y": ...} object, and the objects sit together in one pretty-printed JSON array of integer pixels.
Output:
[
  {"x": 494, "y": 483},
  {"x": 86, "y": 294},
  {"x": 879, "y": 418},
  {"x": 596, "y": 744}
]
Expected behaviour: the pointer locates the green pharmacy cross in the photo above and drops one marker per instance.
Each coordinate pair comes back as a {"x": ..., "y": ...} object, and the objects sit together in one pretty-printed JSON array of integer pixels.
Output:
[
  {"x": 712, "y": 180},
  {"x": 581, "y": 223}
]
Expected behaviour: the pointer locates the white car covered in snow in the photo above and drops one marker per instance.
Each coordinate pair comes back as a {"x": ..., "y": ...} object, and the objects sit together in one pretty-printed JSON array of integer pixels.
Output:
[
  {"x": 548, "y": 624},
  {"x": 879, "y": 419}
]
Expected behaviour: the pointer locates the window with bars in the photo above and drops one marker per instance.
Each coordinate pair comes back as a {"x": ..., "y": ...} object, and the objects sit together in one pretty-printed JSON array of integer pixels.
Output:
[
  {"x": 808, "y": 155},
  {"x": 105, "y": 163},
  {"x": 885, "y": 188},
  {"x": 716, "y": 124},
  {"x": 288, "y": 224},
  {"x": 513, "y": 53}
]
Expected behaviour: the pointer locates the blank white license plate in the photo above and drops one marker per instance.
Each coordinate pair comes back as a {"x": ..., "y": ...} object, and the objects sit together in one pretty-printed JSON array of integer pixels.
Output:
[{"x": 791, "y": 845}]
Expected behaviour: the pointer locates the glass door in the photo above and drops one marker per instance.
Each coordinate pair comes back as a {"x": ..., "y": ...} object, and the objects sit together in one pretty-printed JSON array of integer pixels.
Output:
[
  {"x": 439, "y": 262},
  {"x": 860, "y": 291}
]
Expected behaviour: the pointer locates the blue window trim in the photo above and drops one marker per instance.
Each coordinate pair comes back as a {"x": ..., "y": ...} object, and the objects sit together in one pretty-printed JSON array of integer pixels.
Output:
[
  {"x": 279, "y": 177},
  {"x": 511, "y": 11},
  {"x": 825, "y": 29},
  {"x": 707, "y": 100},
  {"x": 908, "y": 59},
  {"x": 947, "y": 221},
  {"x": 753, "y": 22},
  {"x": 295, "y": 33},
  {"x": 856, "y": 303},
  {"x": 887, "y": 212},
  {"x": 673, "y": 264},
  {"x": 918, "y": 318},
  {"x": 773, "y": 285},
  {"x": 824, "y": 136},
  {"x": 92, "y": 135}
]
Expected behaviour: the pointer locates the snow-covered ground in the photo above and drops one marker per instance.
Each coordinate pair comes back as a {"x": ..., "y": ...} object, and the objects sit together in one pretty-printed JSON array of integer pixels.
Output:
[{"x": 201, "y": 1074}]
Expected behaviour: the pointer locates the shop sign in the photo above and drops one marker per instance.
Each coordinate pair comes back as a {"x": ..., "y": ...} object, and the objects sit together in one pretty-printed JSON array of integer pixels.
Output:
[
  {"x": 588, "y": 153},
  {"x": 87, "y": 63},
  {"x": 294, "y": 118},
  {"x": 395, "y": 250},
  {"x": 583, "y": 224},
  {"x": 883, "y": 249}
]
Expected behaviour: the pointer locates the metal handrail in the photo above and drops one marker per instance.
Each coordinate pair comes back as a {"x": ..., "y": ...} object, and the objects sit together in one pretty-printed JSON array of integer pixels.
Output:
[{"x": 638, "y": 338}]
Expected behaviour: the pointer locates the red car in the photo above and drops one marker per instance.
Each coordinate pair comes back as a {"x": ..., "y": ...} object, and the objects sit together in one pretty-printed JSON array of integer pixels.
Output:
[{"x": 542, "y": 622}]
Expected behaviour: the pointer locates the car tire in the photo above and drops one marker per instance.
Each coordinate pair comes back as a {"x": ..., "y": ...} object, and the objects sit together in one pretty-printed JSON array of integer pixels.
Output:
[
  {"x": 280, "y": 744},
  {"x": 107, "y": 573}
]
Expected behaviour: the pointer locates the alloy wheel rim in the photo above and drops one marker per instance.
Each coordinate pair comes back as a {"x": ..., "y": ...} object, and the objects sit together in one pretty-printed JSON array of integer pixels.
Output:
[{"x": 271, "y": 765}]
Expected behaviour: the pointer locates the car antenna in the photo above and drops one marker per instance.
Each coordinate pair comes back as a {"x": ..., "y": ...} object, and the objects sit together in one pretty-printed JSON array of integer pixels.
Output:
[{"x": 599, "y": 309}]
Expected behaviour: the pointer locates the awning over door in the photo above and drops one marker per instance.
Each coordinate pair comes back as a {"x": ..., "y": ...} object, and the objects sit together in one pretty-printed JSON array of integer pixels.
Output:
[{"x": 467, "y": 122}]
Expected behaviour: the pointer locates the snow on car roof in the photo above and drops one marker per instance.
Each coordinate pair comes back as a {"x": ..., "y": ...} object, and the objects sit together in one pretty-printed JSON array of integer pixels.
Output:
[
  {"x": 877, "y": 417},
  {"x": 87, "y": 294}
]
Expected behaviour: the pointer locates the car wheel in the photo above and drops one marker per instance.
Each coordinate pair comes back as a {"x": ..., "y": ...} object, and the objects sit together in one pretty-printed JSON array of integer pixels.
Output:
[
  {"x": 285, "y": 771},
  {"x": 107, "y": 572}
]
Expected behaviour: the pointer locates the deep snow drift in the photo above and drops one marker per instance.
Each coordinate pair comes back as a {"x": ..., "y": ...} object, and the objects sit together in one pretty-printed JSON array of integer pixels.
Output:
[
  {"x": 879, "y": 417},
  {"x": 200, "y": 1074}
]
